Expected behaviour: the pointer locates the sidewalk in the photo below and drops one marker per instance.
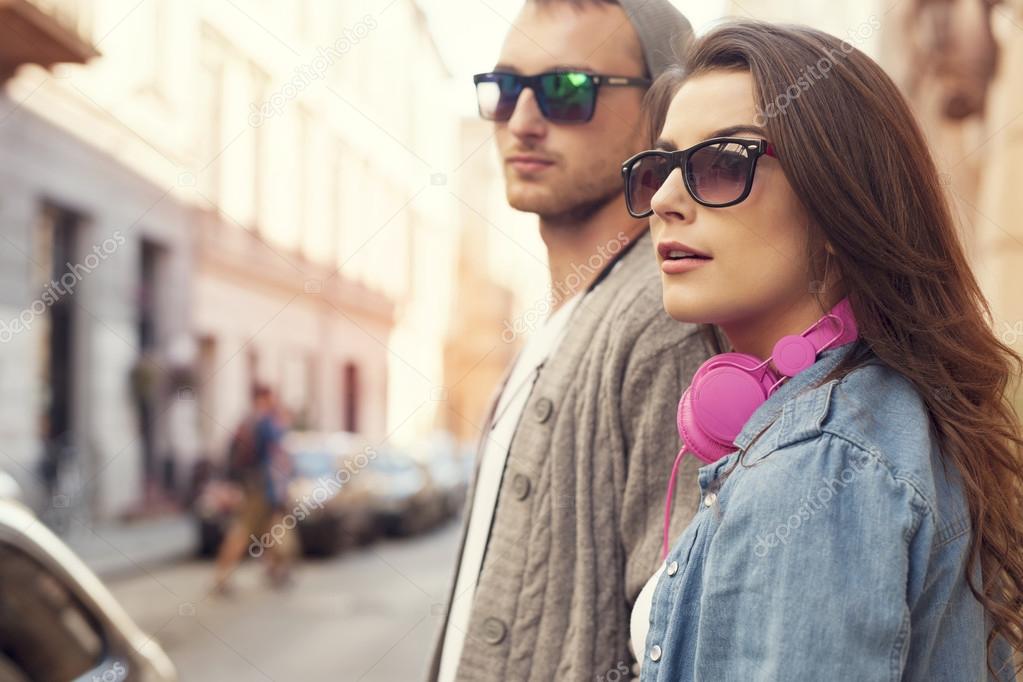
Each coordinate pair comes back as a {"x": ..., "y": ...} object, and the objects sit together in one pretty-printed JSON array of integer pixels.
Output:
[{"x": 118, "y": 548}]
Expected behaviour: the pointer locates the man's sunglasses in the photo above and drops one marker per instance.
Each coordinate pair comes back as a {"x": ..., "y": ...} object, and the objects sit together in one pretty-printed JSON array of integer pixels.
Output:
[
  {"x": 717, "y": 172},
  {"x": 563, "y": 96}
]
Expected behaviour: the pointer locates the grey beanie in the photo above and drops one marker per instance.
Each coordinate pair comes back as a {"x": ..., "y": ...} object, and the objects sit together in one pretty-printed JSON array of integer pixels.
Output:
[{"x": 663, "y": 32}]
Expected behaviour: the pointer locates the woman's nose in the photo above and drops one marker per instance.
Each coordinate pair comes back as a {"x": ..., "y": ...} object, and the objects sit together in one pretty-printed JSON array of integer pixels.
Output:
[{"x": 671, "y": 201}]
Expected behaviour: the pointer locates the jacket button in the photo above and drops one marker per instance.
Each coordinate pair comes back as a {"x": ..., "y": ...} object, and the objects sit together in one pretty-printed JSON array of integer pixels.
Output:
[
  {"x": 655, "y": 653},
  {"x": 710, "y": 499},
  {"x": 673, "y": 568},
  {"x": 542, "y": 409},
  {"x": 493, "y": 631},
  {"x": 520, "y": 486}
]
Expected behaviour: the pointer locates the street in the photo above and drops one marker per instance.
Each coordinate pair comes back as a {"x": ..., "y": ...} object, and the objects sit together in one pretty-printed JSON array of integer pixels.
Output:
[{"x": 368, "y": 614}]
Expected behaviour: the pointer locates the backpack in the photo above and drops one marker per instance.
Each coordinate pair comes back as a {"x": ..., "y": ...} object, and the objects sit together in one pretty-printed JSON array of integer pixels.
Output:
[{"x": 241, "y": 452}]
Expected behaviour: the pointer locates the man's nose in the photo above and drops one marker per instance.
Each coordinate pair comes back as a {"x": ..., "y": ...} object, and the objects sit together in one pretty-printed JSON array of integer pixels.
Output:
[{"x": 527, "y": 120}]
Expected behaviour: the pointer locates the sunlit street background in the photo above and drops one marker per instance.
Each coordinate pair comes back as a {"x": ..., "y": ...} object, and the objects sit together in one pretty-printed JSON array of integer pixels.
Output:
[{"x": 200, "y": 196}]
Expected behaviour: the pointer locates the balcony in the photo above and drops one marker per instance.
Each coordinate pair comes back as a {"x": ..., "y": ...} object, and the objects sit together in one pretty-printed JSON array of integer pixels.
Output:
[{"x": 44, "y": 33}]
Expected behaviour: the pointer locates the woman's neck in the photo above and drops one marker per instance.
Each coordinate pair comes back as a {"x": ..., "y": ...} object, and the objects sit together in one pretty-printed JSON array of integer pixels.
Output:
[{"x": 758, "y": 334}]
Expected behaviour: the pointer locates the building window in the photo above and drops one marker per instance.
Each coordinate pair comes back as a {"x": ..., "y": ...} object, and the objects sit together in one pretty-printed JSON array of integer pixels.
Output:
[
  {"x": 210, "y": 95},
  {"x": 56, "y": 278}
]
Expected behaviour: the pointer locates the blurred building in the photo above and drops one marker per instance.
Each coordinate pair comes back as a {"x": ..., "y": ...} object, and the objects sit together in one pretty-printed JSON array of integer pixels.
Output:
[
  {"x": 96, "y": 269},
  {"x": 960, "y": 63},
  {"x": 298, "y": 271},
  {"x": 859, "y": 23},
  {"x": 479, "y": 346},
  {"x": 276, "y": 183},
  {"x": 999, "y": 200}
]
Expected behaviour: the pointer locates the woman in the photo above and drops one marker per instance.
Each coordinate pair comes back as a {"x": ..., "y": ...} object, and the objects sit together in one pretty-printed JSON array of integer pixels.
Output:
[{"x": 864, "y": 522}]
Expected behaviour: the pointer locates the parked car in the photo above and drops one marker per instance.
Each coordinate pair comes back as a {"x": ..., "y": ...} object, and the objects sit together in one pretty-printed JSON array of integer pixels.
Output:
[
  {"x": 330, "y": 512},
  {"x": 58, "y": 621},
  {"x": 346, "y": 494},
  {"x": 404, "y": 497},
  {"x": 337, "y": 511},
  {"x": 9, "y": 488},
  {"x": 449, "y": 466}
]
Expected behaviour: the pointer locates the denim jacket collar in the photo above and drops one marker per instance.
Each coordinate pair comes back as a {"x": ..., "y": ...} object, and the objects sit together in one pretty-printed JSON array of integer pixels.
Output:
[{"x": 775, "y": 405}]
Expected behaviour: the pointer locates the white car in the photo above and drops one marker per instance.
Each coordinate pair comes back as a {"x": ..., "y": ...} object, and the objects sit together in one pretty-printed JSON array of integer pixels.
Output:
[{"x": 58, "y": 622}]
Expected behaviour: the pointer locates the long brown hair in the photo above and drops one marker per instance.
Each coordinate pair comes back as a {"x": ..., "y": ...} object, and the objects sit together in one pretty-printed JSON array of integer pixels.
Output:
[{"x": 857, "y": 160}]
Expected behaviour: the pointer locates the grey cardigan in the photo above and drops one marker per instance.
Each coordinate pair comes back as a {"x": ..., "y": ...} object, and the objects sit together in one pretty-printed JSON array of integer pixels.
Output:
[{"x": 577, "y": 529}]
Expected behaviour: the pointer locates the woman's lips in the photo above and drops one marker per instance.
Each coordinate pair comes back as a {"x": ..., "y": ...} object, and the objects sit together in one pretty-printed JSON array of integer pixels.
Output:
[
  {"x": 677, "y": 257},
  {"x": 675, "y": 267}
]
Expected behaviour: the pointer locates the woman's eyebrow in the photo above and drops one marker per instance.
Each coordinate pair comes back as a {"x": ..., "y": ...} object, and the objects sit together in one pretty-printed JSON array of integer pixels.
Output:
[
  {"x": 668, "y": 145},
  {"x": 741, "y": 128}
]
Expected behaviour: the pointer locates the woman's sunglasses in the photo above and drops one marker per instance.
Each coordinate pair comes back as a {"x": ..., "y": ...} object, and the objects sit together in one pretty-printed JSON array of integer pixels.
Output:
[
  {"x": 717, "y": 172},
  {"x": 563, "y": 96}
]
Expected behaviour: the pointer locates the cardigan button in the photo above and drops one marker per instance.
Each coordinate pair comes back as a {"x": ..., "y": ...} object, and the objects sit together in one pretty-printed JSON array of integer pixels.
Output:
[
  {"x": 673, "y": 568},
  {"x": 542, "y": 409},
  {"x": 655, "y": 653},
  {"x": 520, "y": 486},
  {"x": 493, "y": 631}
]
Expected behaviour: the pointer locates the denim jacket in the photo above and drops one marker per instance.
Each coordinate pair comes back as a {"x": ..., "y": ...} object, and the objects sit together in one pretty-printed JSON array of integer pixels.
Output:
[{"x": 835, "y": 550}]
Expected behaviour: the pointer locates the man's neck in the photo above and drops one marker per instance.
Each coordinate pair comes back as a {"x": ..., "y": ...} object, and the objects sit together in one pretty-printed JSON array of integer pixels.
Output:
[{"x": 578, "y": 250}]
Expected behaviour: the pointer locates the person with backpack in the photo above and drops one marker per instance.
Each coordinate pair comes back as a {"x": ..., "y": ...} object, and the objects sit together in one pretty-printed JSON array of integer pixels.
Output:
[{"x": 258, "y": 464}]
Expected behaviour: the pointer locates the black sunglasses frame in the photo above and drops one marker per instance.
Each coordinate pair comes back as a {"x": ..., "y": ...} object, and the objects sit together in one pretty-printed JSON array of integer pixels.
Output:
[
  {"x": 533, "y": 82},
  {"x": 679, "y": 159}
]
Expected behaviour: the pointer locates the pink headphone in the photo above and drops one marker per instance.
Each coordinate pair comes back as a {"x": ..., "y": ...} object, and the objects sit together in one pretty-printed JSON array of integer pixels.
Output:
[{"x": 728, "y": 388}]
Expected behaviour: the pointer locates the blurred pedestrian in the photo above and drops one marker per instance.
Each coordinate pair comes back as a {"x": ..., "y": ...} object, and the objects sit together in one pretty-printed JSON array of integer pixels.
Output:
[{"x": 258, "y": 463}]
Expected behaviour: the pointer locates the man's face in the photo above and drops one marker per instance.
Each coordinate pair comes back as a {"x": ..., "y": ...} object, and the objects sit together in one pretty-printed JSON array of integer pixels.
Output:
[
  {"x": 570, "y": 169},
  {"x": 264, "y": 403}
]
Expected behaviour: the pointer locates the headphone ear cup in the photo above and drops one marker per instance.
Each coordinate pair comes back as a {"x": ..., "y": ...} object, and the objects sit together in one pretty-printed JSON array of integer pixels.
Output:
[
  {"x": 724, "y": 393},
  {"x": 694, "y": 439}
]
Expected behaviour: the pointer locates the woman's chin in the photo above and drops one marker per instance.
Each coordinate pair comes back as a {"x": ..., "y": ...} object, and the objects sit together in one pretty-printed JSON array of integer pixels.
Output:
[
  {"x": 683, "y": 314},
  {"x": 679, "y": 305}
]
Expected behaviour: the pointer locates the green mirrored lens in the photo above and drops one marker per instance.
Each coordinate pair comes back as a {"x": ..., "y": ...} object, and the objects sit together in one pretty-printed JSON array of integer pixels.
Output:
[{"x": 569, "y": 96}]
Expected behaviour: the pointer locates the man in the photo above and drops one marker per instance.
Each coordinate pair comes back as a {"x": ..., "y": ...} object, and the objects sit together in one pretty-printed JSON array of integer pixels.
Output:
[
  {"x": 565, "y": 515},
  {"x": 260, "y": 466}
]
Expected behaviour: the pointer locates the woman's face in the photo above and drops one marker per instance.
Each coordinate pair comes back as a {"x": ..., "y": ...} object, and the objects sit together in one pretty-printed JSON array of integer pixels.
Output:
[{"x": 756, "y": 281}]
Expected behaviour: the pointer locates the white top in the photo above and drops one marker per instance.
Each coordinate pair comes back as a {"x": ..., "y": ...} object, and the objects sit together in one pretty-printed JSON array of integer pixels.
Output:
[
  {"x": 639, "y": 623},
  {"x": 538, "y": 347}
]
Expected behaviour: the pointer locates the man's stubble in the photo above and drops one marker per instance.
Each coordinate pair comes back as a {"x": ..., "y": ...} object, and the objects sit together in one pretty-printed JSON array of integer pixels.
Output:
[{"x": 571, "y": 198}]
